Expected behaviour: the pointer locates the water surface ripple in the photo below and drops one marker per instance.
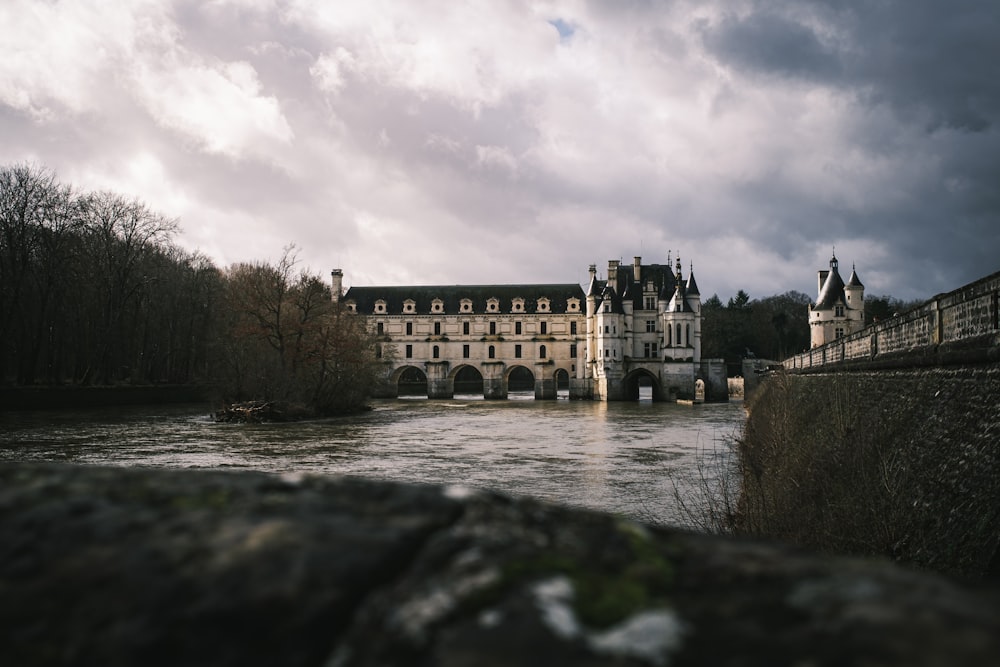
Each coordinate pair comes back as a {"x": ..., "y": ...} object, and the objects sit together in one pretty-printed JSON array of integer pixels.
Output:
[{"x": 626, "y": 458}]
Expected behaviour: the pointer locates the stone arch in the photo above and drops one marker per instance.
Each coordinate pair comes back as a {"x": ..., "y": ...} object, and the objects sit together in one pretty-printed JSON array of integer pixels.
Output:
[
  {"x": 519, "y": 378},
  {"x": 561, "y": 377},
  {"x": 467, "y": 379},
  {"x": 409, "y": 381},
  {"x": 641, "y": 377}
]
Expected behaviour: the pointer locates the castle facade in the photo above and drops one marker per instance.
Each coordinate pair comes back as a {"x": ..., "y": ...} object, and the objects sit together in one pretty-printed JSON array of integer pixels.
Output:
[{"x": 639, "y": 326}]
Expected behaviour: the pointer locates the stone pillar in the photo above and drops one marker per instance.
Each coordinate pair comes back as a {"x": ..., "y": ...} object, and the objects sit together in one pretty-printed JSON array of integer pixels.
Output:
[
  {"x": 580, "y": 389},
  {"x": 439, "y": 385},
  {"x": 545, "y": 387},
  {"x": 494, "y": 382}
]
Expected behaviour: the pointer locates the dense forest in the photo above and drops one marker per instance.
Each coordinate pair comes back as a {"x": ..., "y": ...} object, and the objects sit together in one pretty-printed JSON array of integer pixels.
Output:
[{"x": 94, "y": 292}]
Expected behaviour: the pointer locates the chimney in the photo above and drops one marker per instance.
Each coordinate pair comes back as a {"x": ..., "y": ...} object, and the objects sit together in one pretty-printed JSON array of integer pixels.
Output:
[
  {"x": 613, "y": 274},
  {"x": 636, "y": 268},
  {"x": 593, "y": 272},
  {"x": 823, "y": 273},
  {"x": 336, "y": 285}
]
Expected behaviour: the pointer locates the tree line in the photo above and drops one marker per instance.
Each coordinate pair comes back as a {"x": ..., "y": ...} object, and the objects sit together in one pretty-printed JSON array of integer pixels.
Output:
[
  {"x": 93, "y": 291},
  {"x": 774, "y": 327}
]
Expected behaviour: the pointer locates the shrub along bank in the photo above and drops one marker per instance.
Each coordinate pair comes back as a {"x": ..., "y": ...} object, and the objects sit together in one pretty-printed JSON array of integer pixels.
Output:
[{"x": 902, "y": 464}]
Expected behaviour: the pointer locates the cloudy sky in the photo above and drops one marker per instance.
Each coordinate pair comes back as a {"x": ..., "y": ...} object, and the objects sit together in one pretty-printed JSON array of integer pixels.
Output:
[{"x": 441, "y": 142}]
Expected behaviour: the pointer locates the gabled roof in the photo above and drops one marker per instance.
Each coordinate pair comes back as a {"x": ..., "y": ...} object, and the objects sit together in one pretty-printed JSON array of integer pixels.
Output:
[
  {"x": 452, "y": 296},
  {"x": 608, "y": 294}
]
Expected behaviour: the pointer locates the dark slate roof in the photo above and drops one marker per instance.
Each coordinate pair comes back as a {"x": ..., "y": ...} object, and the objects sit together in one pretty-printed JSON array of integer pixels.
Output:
[
  {"x": 854, "y": 281},
  {"x": 680, "y": 298},
  {"x": 662, "y": 276},
  {"x": 452, "y": 295},
  {"x": 692, "y": 285},
  {"x": 832, "y": 292}
]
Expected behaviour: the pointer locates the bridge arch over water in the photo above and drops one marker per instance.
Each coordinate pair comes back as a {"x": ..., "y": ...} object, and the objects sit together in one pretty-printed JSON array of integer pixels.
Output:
[{"x": 493, "y": 378}]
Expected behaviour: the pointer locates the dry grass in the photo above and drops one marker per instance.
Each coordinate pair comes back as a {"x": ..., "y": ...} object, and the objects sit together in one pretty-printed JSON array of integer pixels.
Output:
[{"x": 903, "y": 465}]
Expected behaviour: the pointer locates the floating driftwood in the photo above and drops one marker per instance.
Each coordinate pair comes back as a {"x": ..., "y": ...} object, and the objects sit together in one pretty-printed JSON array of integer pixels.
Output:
[{"x": 258, "y": 412}]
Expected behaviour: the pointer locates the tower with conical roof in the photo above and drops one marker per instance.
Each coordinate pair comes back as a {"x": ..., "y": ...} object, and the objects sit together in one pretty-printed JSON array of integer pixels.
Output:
[{"x": 840, "y": 307}]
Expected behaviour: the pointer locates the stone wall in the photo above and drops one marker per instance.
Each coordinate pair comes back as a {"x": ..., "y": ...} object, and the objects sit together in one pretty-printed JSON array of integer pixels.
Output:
[
  {"x": 900, "y": 463},
  {"x": 119, "y": 566},
  {"x": 962, "y": 326}
]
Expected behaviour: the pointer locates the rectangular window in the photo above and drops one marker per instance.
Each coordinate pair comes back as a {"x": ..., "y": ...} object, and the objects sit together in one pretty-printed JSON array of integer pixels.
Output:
[
  {"x": 517, "y": 351},
  {"x": 437, "y": 328},
  {"x": 572, "y": 328},
  {"x": 465, "y": 351},
  {"x": 380, "y": 328},
  {"x": 378, "y": 351},
  {"x": 650, "y": 326},
  {"x": 544, "y": 327},
  {"x": 409, "y": 351},
  {"x": 650, "y": 303},
  {"x": 409, "y": 328},
  {"x": 517, "y": 328},
  {"x": 493, "y": 328},
  {"x": 465, "y": 328},
  {"x": 838, "y": 332},
  {"x": 838, "y": 311},
  {"x": 572, "y": 351},
  {"x": 649, "y": 350}
]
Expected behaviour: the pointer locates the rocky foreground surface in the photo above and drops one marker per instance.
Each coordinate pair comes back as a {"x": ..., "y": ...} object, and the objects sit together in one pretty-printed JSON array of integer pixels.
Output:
[{"x": 115, "y": 566}]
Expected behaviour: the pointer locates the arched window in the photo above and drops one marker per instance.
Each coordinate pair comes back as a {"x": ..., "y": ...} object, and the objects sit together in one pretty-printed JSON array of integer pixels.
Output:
[
  {"x": 437, "y": 352},
  {"x": 492, "y": 352},
  {"x": 687, "y": 334},
  {"x": 541, "y": 351},
  {"x": 669, "y": 332},
  {"x": 678, "y": 342}
]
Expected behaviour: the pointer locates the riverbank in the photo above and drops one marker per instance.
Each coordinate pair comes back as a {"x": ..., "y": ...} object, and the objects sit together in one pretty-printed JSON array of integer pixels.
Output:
[
  {"x": 126, "y": 566},
  {"x": 903, "y": 464}
]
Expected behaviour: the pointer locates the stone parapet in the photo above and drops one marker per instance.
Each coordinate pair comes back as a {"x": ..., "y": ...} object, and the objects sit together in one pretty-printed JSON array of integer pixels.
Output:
[{"x": 121, "y": 566}]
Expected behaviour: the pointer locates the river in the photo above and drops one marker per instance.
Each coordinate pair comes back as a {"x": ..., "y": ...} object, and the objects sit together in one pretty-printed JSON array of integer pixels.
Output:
[{"x": 628, "y": 458}]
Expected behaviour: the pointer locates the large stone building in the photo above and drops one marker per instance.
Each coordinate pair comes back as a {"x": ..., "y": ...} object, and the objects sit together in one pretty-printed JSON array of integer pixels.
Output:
[
  {"x": 641, "y": 325},
  {"x": 839, "y": 309}
]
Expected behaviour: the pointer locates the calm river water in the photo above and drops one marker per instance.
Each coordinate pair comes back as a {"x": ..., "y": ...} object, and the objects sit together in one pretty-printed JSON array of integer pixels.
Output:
[{"x": 626, "y": 458}]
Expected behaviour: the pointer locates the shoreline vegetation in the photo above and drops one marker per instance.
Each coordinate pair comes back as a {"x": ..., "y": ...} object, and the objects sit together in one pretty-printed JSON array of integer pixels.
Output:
[{"x": 903, "y": 465}]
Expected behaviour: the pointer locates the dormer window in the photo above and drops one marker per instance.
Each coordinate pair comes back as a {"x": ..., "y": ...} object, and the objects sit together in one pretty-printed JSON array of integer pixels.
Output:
[
  {"x": 409, "y": 306},
  {"x": 543, "y": 305},
  {"x": 352, "y": 307},
  {"x": 437, "y": 305},
  {"x": 465, "y": 306},
  {"x": 573, "y": 305},
  {"x": 838, "y": 311},
  {"x": 380, "y": 306},
  {"x": 517, "y": 305},
  {"x": 492, "y": 305}
]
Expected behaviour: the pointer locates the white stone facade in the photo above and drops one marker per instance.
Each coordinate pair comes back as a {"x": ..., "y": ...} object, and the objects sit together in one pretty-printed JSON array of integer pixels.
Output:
[
  {"x": 642, "y": 325},
  {"x": 839, "y": 310}
]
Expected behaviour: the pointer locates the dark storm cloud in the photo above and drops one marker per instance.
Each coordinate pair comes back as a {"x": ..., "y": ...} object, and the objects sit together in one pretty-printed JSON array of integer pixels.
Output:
[
  {"x": 932, "y": 67},
  {"x": 498, "y": 142}
]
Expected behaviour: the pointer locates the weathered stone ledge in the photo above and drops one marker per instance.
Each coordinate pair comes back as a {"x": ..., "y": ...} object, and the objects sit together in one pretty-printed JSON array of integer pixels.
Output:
[{"x": 117, "y": 566}]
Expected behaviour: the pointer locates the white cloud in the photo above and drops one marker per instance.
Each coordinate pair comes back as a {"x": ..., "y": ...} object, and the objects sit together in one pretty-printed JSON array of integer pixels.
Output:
[{"x": 221, "y": 107}]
